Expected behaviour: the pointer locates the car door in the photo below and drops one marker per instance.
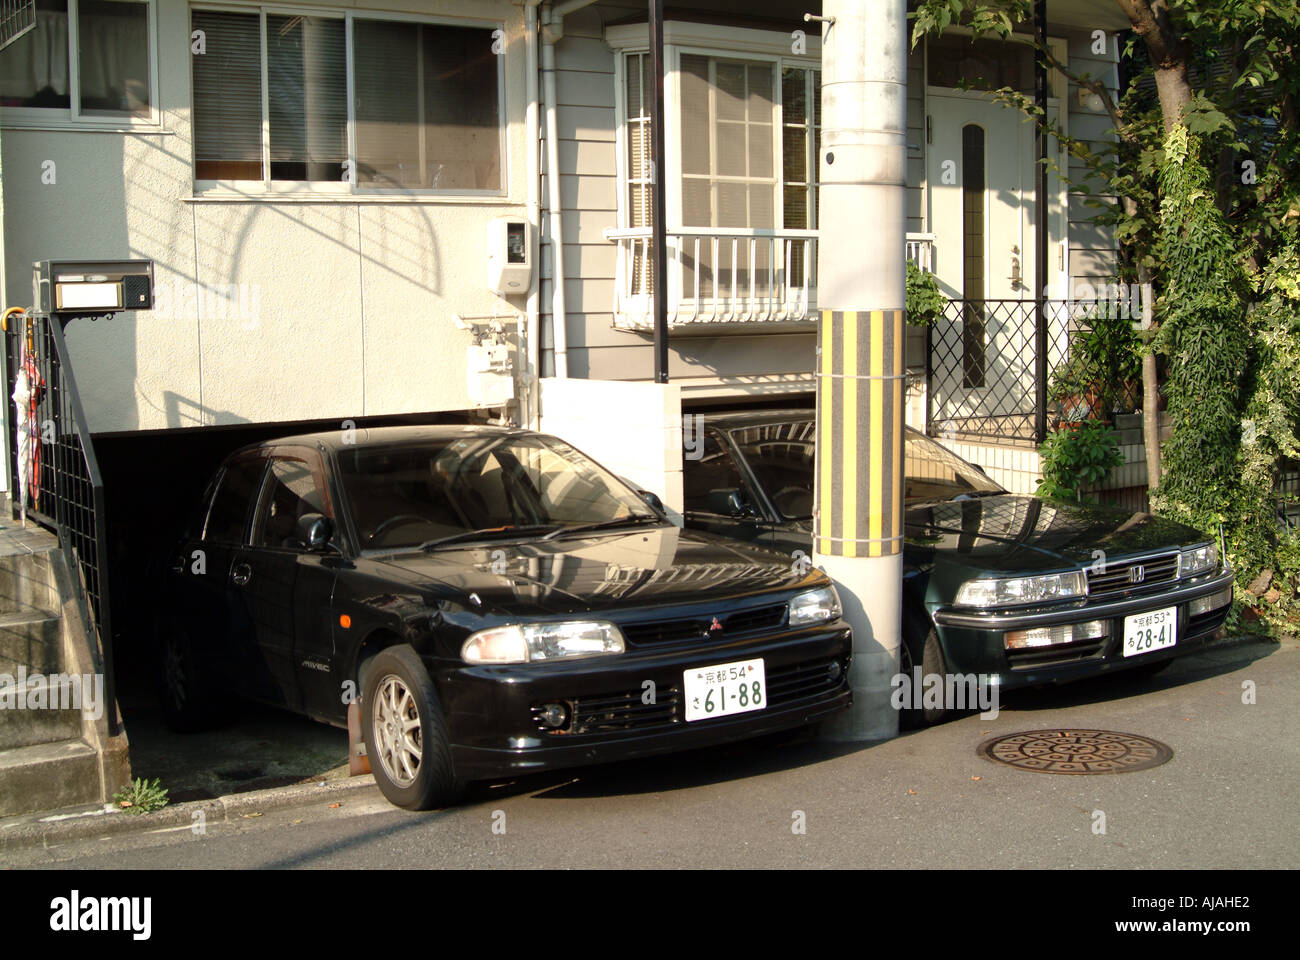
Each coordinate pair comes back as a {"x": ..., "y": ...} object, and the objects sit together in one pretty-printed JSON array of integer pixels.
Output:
[
  {"x": 717, "y": 497},
  {"x": 288, "y": 588},
  {"x": 209, "y": 606}
]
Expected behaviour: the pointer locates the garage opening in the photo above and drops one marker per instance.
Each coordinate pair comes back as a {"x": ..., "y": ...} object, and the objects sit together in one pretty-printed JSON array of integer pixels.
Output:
[{"x": 153, "y": 483}]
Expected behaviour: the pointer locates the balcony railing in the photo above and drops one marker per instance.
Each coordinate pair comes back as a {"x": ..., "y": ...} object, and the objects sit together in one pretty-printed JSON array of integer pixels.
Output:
[
  {"x": 920, "y": 250},
  {"x": 719, "y": 277}
]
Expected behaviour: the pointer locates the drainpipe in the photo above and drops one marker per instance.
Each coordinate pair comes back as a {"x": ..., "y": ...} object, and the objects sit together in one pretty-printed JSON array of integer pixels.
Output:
[
  {"x": 552, "y": 31},
  {"x": 858, "y": 535},
  {"x": 532, "y": 311}
]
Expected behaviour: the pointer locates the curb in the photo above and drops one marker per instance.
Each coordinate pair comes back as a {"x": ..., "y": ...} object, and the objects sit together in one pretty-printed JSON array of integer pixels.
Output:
[{"x": 103, "y": 820}]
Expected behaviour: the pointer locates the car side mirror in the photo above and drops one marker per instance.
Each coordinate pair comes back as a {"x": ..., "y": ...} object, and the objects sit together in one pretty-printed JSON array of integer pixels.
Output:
[
  {"x": 655, "y": 504},
  {"x": 729, "y": 503},
  {"x": 315, "y": 530}
]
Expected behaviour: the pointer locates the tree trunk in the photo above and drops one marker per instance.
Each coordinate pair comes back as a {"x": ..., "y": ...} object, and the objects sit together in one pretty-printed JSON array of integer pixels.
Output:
[
  {"x": 1151, "y": 418},
  {"x": 1169, "y": 55},
  {"x": 1150, "y": 386}
]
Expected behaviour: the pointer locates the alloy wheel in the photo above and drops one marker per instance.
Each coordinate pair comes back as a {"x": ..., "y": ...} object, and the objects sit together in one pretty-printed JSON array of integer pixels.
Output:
[{"x": 397, "y": 731}]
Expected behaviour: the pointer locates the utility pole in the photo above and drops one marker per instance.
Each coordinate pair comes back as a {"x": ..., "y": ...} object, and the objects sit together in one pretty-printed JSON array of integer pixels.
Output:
[{"x": 860, "y": 294}]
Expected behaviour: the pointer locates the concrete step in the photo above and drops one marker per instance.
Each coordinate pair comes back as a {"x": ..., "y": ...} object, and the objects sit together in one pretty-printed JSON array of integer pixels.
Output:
[
  {"x": 32, "y": 637},
  {"x": 47, "y": 776},
  {"x": 40, "y": 710},
  {"x": 26, "y": 581}
]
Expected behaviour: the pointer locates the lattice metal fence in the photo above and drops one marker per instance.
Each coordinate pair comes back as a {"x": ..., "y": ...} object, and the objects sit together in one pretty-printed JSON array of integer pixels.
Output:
[
  {"x": 982, "y": 371},
  {"x": 17, "y": 17}
]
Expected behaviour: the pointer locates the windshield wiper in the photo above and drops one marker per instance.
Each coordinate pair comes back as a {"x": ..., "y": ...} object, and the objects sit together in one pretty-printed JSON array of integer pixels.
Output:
[
  {"x": 487, "y": 533},
  {"x": 633, "y": 520},
  {"x": 976, "y": 494}
]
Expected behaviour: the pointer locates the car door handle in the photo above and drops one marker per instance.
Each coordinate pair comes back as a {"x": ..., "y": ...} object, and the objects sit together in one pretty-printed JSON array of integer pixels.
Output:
[{"x": 241, "y": 574}]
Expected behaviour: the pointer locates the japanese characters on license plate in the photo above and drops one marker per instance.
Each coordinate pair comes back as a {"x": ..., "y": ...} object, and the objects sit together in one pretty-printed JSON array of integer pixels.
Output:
[
  {"x": 1144, "y": 632},
  {"x": 724, "y": 689}
]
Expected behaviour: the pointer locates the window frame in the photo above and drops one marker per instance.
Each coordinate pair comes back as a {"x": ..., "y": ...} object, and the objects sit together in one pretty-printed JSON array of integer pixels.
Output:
[
  {"x": 307, "y": 456},
  {"x": 71, "y": 117},
  {"x": 350, "y": 188},
  {"x": 673, "y": 192},
  {"x": 252, "y": 456}
]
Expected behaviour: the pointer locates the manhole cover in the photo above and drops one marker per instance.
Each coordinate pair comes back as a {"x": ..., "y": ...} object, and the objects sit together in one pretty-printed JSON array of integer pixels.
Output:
[{"x": 1077, "y": 751}]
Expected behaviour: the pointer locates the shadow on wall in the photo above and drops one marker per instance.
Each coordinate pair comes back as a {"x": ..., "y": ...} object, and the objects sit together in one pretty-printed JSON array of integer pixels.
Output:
[{"x": 65, "y": 199}]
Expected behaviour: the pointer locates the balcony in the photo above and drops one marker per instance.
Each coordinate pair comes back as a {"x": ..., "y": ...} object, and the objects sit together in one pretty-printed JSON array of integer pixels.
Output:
[
  {"x": 721, "y": 280},
  {"x": 717, "y": 279}
]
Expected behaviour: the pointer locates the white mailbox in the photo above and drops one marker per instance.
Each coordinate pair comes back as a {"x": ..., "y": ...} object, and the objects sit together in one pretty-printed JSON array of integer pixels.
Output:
[{"x": 509, "y": 256}]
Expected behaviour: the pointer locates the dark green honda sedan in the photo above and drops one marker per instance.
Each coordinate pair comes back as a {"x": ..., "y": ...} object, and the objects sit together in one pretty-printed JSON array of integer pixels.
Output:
[{"x": 1017, "y": 589}]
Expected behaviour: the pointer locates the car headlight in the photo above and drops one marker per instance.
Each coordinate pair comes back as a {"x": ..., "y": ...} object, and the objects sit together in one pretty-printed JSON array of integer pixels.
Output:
[
  {"x": 528, "y": 642},
  {"x": 1017, "y": 590},
  {"x": 815, "y": 606},
  {"x": 1197, "y": 560}
]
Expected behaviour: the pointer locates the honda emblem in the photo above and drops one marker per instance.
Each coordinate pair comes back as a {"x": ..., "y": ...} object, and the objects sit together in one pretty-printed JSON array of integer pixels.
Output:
[{"x": 1137, "y": 573}]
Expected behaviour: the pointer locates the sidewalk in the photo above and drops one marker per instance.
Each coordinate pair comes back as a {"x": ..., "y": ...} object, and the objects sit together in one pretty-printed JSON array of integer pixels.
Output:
[{"x": 105, "y": 820}]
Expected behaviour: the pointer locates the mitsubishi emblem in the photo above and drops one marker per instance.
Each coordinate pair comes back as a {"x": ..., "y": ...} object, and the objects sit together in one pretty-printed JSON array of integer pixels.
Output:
[{"x": 715, "y": 626}]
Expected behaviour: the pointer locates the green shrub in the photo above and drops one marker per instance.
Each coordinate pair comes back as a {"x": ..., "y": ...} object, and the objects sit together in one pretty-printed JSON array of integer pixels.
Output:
[
  {"x": 142, "y": 796},
  {"x": 924, "y": 301},
  {"x": 1077, "y": 456}
]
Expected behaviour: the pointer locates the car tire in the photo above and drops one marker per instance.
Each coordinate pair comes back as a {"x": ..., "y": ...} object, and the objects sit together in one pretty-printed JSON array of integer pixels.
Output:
[
  {"x": 925, "y": 650},
  {"x": 406, "y": 734},
  {"x": 188, "y": 703}
]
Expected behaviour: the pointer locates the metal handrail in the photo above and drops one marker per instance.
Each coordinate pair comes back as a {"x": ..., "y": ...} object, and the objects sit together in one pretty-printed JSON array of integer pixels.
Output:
[{"x": 71, "y": 490}]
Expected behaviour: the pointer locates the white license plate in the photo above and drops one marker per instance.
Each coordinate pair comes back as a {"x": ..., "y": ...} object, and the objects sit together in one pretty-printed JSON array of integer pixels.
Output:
[
  {"x": 1145, "y": 632},
  {"x": 724, "y": 689}
]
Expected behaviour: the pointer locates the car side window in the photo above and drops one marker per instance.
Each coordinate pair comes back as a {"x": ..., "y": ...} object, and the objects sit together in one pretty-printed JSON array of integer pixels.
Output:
[
  {"x": 706, "y": 481},
  {"x": 291, "y": 491},
  {"x": 228, "y": 518}
]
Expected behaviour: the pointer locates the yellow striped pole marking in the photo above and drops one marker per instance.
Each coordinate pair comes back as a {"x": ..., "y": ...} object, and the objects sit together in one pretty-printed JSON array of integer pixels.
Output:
[
  {"x": 828, "y": 404},
  {"x": 849, "y": 467},
  {"x": 877, "y": 433}
]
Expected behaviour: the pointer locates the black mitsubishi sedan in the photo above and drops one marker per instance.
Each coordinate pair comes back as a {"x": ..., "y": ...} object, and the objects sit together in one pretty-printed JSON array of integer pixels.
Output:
[
  {"x": 498, "y": 603},
  {"x": 1019, "y": 590}
]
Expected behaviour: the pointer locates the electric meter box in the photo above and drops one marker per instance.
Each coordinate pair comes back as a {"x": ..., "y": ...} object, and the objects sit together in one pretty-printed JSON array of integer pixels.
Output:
[
  {"x": 489, "y": 377},
  {"x": 92, "y": 286},
  {"x": 509, "y": 256}
]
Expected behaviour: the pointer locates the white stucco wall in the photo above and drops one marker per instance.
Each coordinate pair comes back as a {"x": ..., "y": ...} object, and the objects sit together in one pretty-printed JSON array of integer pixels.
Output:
[
  {"x": 350, "y": 299},
  {"x": 644, "y": 447}
]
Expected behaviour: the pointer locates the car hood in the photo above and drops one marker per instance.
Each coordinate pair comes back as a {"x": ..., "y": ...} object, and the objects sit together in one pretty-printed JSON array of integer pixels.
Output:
[
  {"x": 1018, "y": 534},
  {"x": 660, "y": 565}
]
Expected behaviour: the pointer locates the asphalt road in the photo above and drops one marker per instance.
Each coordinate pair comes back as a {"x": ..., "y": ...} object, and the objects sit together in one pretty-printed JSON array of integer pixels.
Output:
[{"x": 1227, "y": 799}]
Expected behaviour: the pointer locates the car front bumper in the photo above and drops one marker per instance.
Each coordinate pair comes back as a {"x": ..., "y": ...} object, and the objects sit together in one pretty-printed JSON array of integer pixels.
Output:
[
  {"x": 495, "y": 732},
  {"x": 974, "y": 641}
]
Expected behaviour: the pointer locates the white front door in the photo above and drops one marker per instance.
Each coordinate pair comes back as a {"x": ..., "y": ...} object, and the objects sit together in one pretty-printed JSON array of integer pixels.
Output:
[{"x": 981, "y": 175}]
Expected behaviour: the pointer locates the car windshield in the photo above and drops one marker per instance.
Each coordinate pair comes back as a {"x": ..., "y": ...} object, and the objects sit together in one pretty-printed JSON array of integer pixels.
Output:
[
  {"x": 781, "y": 457},
  {"x": 407, "y": 495},
  {"x": 932, "y": 472}
]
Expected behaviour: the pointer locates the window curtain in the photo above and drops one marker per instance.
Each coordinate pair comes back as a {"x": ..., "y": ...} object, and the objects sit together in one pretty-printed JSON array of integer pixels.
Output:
[
  {"x": 34, "y": 69},
  {"x": 114, "y": 58}
]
